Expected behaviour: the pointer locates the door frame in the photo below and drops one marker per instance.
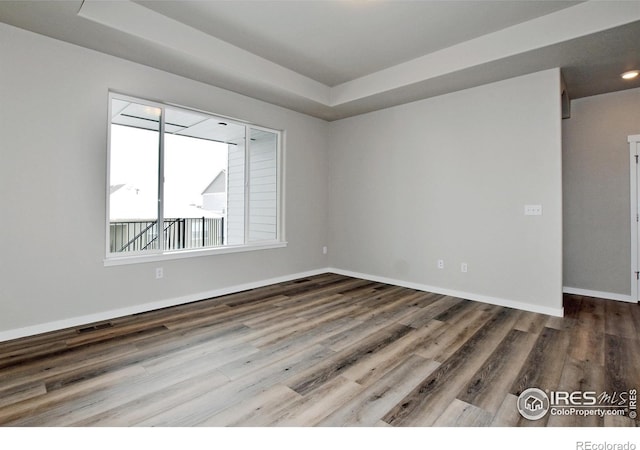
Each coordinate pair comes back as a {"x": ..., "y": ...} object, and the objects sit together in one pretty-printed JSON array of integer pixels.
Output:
[{"x": 634, "y": 152}]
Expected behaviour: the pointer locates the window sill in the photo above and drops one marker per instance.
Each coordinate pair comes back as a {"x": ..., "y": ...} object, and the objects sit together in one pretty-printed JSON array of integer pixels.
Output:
[{"x": 183, "y": 254}]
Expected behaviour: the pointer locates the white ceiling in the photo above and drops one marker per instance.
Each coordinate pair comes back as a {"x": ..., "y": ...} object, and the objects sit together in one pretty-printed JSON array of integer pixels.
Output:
[
  {"x": 335, "y": 59},
  {"x": 337, "y": 41}
]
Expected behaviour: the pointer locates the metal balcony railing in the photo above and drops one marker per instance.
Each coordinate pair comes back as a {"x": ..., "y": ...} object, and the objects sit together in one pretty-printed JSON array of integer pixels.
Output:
[{"x": 178, "y": 233}]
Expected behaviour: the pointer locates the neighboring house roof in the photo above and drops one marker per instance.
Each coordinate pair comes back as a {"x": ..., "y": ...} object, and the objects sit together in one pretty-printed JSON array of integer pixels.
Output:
[
  {"x": 115, "y": 187},
  {"x": 218, "y": 185},
  {"x": 129, "y": 203}
]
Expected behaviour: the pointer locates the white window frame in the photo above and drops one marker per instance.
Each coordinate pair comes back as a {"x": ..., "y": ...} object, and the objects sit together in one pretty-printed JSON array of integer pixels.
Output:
[{"x": 114, "y": 259}]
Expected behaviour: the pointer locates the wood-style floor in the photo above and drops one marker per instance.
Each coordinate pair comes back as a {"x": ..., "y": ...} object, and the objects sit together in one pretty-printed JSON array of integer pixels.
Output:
[{"x": 321, "y": 351}]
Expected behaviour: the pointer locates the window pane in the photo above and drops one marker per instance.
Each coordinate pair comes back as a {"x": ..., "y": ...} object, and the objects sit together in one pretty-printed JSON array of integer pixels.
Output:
[
  {"x": 263, "y": 197},
  {"x": 195, "y": 182},
  {"x": 133, "y": 177}
]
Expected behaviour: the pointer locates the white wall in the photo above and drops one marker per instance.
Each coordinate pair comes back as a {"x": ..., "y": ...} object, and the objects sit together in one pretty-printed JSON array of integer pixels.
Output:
[
  {"x": 464, "y": 165},
  {"x": 235, "y": 195},
  {"x": 596, "y": 192},
  {"x": 263, "y": 201},
  {"x": 53, "y": 129}
]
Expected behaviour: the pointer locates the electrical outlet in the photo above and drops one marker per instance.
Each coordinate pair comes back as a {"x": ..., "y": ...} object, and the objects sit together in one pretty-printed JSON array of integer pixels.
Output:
[
  {"x": 159, "y": 273},
  {"x": 324, "y": 250},
  {"x": 464, "y": 268},
  {"x": 441, "y": 264}
]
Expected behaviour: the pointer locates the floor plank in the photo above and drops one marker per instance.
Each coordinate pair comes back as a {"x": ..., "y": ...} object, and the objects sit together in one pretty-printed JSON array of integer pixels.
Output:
[
  {"x": 507, "y": 415},
  {"x": 367, "y": 408},
  {"x": 587, "y": 334},
  {"x": 423, "y": 405},
  {"x": 545, "y": 362},
  {"x": 151, "y": 400},
  {"x": 490, "y": 384},
  {"x": 310, "y": 409},
  {"x": 315, "y": 376},
  {"x": 255, "y": 412},
  {"x": 619, "y": 319},
  {"x": 462, "y": 414},
  {"x": 379, "y": 363}
]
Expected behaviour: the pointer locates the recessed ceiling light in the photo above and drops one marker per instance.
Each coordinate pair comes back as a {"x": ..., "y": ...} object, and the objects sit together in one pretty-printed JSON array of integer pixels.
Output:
[{"x": 630, "y": 75}]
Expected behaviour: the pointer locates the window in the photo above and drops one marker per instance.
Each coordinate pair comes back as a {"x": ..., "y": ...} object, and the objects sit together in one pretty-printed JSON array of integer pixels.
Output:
[{"x": 184, "y": 182}]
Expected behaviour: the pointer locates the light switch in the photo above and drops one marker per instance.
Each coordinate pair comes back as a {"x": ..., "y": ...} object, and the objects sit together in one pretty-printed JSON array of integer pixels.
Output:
[{"x": 532, "y": 210}]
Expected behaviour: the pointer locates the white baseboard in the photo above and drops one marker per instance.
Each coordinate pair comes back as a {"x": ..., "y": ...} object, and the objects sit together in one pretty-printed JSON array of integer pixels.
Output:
[
  {"x": 145, "y": 307},
  {"x": 557, "y": 312},
  {"x": 599, "y": 294}
]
